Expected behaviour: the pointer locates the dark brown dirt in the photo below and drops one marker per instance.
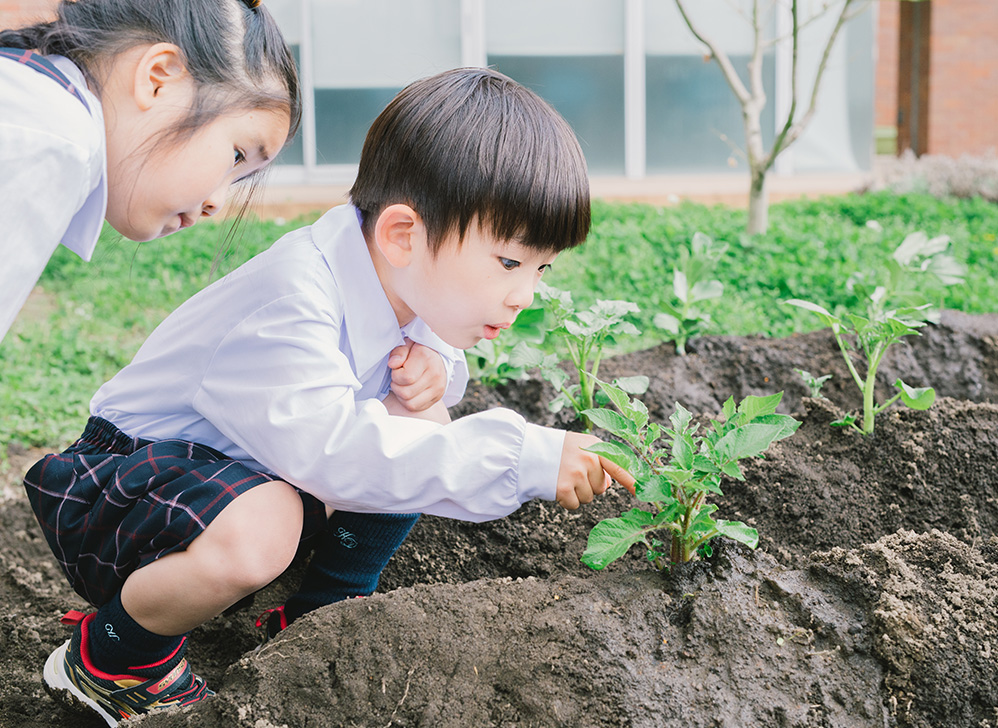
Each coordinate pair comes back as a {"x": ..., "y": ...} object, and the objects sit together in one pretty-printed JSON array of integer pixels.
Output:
[{"x": 872, "y": 600}]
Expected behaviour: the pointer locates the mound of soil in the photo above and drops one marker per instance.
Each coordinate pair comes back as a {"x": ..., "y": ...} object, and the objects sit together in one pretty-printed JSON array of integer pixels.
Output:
[{"x": 872, "y": 600}]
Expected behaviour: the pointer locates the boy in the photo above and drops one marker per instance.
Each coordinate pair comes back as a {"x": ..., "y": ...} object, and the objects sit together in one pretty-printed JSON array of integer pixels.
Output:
[{"x": 468, "y": 188}]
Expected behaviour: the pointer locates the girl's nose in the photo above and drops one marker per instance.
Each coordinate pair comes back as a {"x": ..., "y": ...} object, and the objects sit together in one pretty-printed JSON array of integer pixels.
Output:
[{"x": 215, "y": 201}]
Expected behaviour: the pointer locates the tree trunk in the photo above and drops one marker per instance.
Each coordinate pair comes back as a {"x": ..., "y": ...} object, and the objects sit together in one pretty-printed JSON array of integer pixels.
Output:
[{"x": 758, "y": 210}]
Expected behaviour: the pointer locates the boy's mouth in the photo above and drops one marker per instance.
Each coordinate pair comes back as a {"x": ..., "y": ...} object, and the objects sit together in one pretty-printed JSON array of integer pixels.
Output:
[{"x": 492, "y": 332}]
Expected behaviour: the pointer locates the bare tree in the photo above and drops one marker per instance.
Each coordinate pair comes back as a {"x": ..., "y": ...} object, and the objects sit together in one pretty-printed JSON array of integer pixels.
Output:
[{"x": 752, "y": 98}]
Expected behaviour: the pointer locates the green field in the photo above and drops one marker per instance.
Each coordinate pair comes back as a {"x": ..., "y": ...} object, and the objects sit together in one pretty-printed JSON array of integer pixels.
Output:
[{"x": 87, "y": 320}]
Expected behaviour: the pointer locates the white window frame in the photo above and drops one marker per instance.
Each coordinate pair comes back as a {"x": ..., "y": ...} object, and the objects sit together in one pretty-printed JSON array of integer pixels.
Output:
[{"x": 474, "y": 53}]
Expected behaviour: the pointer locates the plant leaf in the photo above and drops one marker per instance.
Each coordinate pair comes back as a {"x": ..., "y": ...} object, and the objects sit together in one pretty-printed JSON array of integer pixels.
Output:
[
  {"x": 620, "y": 454},
  {"x": 739, "y": 532},
  {"x": 637, "y": 384},
  {"x": 612, "y": 422},
  {"x": 610, "y": 539},
  {"x": 746, "y": 441},
  {"x": 753, "y": 406},
  {"x": 918, "y": 398},
  {"x": 826, "y": 317}
]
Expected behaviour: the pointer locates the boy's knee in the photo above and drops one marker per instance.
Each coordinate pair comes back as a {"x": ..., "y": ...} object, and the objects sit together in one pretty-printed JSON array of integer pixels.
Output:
[{"x": 257, "y": 536}]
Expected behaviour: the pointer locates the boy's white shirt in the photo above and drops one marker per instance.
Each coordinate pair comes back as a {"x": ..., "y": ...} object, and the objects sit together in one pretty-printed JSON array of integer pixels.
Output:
[
  {"x": 282, "y": 364},
  {"x": 53, "y": 180}
]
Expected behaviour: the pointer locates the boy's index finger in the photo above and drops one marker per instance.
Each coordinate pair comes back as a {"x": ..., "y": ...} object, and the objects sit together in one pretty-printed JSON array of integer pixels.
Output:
[{"x": 618, "y": 473}]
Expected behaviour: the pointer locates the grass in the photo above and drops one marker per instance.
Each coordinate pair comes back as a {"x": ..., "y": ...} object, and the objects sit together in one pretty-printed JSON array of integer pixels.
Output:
[{"x": 87, "y": 320}]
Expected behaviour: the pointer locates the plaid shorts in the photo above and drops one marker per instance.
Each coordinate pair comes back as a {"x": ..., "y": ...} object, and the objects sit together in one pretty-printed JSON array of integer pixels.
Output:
[{"x": 111, "y": 504}]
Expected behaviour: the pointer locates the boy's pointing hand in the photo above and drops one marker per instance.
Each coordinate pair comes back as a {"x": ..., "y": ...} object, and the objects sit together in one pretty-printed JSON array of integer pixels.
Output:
[{"x": 583, "y": 474}]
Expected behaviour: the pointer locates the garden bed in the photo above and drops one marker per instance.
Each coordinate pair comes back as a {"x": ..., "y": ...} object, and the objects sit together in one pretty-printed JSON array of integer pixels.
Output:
[{"x": 872, "y": 600}]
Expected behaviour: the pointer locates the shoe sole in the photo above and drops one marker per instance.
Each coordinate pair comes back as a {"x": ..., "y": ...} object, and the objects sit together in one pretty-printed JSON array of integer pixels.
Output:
[{"x": 56, "y": 679}]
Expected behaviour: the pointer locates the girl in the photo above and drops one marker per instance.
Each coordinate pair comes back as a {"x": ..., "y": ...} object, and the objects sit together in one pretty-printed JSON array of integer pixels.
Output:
[{"x": 140, "y": 112}]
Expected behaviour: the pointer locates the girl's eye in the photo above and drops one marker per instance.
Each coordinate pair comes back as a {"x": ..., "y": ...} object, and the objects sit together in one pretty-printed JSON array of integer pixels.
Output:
[
  {"x": 509, "y": 264},
  {"x": 239, "y": 157}
]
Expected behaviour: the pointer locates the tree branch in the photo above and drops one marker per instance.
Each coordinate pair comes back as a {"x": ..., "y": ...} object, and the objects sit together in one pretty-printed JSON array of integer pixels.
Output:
[
  {"x": 794, "y": 131},
  {"x": 730, "y": 74}
]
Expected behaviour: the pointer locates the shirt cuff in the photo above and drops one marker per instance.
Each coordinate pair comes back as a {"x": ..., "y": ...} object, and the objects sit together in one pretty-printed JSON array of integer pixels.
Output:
[{"x": 540, "y": 460}]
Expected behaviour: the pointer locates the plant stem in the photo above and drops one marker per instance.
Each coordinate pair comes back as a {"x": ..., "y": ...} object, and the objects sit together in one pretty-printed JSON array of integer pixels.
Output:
[{"x": 869, "y": 408}]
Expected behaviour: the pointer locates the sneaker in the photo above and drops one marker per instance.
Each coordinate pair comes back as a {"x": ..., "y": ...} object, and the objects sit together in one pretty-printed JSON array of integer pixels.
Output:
[
  {"x": 166, "y": 684},
  {"x": 272, "y": 622}
]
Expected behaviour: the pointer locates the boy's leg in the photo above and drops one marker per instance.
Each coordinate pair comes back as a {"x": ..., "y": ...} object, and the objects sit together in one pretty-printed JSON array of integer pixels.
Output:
[
  {"x": 348, "y": 560},
  {"x": 128, "y": 657},
  {"x": 242, "y": 550}
]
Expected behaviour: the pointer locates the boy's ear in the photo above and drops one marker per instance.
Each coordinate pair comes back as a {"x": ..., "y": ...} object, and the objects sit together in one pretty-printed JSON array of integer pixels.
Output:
[
  {"x": 399, "y": 233},
  {"x": 160, "y": 70}
]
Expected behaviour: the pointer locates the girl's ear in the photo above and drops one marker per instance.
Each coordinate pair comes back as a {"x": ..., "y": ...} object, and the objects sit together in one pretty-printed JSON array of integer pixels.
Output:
[
  {"x": 159, "y": 72},
  {"x": 399, "y": 234}
]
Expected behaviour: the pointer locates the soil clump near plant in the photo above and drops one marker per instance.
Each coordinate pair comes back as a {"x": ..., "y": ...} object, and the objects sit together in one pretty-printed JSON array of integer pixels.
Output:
[{"x": 872, "y": 600}]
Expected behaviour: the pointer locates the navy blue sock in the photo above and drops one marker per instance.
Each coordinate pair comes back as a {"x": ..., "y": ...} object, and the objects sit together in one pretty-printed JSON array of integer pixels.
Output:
[
  {"x": 119, "y": 644},
  {"x": 352, "y": 552}
]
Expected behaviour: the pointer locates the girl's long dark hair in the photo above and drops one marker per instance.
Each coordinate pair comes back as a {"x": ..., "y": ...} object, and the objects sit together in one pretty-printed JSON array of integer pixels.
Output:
[{"x": 233, "y": 49}]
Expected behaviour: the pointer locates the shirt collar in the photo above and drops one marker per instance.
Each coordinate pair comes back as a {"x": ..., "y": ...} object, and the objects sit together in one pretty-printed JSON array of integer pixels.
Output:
[{"x": 368, "y": 316}]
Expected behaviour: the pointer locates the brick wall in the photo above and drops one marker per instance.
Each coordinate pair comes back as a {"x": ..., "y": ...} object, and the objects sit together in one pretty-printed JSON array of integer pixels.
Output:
[
  {"x": 886, "y": 86},
  {"x": 963, "y": 82}
]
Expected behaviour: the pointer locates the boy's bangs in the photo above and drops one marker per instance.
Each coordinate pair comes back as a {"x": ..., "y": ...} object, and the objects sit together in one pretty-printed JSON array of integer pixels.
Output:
[
  {"x": 539, "y": 197},
  {"x": 529, "y": 176}
]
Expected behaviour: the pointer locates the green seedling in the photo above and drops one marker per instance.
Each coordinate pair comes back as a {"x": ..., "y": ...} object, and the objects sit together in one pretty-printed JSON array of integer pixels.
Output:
[
  {"x": 882, "y": 326},
  {"x": 489, "y": 362},
  {"x": 678, "y": 479},
  {"x": 814, "y": 384},
  {"x": 692, "y": 287},
  {"x": 581, "y": 335}
]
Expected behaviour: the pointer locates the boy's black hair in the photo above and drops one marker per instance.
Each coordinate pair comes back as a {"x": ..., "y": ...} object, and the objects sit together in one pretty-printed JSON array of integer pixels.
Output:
[{"x": 472, "y": 143}]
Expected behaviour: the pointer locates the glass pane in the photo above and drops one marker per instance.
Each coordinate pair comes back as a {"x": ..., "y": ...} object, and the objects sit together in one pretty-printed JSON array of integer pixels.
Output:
[
  {"x": 840, "y": 136},
  {"x": 694, "y": 121},
  {"x": 693, "y": 117},
  {"x": 571, "y": 53},
  {"x": 364, "y": 53}
]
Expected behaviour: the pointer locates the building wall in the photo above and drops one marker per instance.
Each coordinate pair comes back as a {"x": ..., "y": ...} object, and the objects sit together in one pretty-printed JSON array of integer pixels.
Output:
[
  {"x": 963, "y": 82},
  {"x": 886, "y": 84}
]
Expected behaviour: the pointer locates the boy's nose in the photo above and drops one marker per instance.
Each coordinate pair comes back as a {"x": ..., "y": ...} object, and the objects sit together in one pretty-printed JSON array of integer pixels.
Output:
[{"x": 521, "y": 297}]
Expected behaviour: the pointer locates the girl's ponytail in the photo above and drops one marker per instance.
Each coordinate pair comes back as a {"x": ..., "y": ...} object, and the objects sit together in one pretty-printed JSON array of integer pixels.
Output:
[{"x": 46, "y": 38}]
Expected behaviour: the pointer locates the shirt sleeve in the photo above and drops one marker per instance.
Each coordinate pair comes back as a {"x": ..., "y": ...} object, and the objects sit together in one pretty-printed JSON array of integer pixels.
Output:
[
  {"x": 44, "y": 181},
  {"x": 306, "y": 426}
]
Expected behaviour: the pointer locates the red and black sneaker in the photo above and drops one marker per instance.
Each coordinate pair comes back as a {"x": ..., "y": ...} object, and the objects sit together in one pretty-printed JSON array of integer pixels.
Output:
[
  {"x": 165, "y": 684},
  {"x": 272, "y": 621}
]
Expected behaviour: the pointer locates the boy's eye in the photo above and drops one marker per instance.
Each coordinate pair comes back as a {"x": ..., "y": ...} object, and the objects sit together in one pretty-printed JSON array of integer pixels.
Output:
[
  {"x": 546, "y": 266},
  {"x": 509, "y": 263}
]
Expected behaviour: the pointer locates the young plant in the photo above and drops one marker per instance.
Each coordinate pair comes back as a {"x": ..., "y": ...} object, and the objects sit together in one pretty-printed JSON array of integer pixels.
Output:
[
  {"x": 582, "y": 335},
  {"x": 691, "y": 286},
  {"x": 678, "y": 479},
  {"x": 882, "y": 326},
  {"x": 814, "y": 384}
]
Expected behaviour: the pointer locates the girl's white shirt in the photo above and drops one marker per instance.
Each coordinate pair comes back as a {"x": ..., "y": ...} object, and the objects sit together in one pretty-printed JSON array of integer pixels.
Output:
[
  {"x": 282, "y": 365},
  {"x": 53, "y": 176}
]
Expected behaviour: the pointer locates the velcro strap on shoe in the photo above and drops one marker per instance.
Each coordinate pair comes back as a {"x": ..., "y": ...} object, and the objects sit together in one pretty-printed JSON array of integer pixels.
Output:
[{"x": 73, "y": 617}]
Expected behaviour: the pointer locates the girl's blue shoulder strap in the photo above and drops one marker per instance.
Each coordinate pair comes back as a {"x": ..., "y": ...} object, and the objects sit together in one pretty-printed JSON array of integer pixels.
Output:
[{"x": 35, "y": 60}]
